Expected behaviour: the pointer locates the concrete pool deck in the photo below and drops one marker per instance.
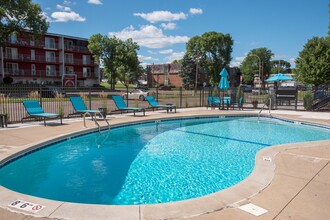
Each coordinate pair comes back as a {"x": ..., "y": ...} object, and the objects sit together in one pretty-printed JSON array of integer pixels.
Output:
[{"x": 290, "y": 181}]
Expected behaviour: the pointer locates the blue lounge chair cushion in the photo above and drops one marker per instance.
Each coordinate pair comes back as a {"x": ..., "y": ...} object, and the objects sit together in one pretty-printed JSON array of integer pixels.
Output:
[
  {"x": 34, "y": 109},
  {"x": 121, "y": 105},
  {"x": 154, "y": 104}
]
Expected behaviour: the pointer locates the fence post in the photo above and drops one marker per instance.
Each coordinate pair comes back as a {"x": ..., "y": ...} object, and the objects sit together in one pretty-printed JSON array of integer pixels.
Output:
[
  {"x": 157, "y": 93},
  {"x": 90, "y": 98},
  {"x": 40, "y": 96},
  {"x": 181, "y": 97},
  {"x": 200, "y": 97}
]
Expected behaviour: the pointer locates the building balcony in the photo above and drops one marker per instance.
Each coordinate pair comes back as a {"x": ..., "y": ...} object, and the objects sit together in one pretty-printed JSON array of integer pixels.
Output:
[
  {"x": 79, "y": 62},
  {"x": 30, "y": 73},
  {"x": 28, "y": 43},
  {"x": 29, "y": 58},
  {"x": 72, "y": 48}
]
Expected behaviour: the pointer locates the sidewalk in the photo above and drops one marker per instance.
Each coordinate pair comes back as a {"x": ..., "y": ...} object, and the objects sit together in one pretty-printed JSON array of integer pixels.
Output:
[{"x": 294, "y": 185}]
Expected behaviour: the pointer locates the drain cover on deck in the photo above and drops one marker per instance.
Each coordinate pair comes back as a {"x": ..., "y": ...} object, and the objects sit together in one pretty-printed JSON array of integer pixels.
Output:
[{"x": 253, "y": 209}]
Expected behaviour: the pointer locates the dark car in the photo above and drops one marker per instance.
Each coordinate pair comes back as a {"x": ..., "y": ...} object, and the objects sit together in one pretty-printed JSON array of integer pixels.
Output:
[
  {"x": 164, "y": 88},
  {"x": 246, "y": 88},
  {"x": 51, "y": 91}
]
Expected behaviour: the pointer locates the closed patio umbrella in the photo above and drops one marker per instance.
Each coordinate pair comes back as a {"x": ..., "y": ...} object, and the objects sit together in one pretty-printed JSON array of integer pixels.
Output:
[
  {"x": 279, "y": 77},
  {"x": 224, "y": 83}
]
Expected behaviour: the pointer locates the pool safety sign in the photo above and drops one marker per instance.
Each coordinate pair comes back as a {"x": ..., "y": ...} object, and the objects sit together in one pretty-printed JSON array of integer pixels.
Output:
[{"x": 26, "y": 206}]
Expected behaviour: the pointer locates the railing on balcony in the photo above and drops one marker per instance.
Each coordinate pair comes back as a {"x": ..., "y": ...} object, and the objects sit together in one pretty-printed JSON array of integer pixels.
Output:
[
  {"x": 31, "y": 73},
  {"x": 29, "y": 58},
  {"x": 76, "y": 48}
]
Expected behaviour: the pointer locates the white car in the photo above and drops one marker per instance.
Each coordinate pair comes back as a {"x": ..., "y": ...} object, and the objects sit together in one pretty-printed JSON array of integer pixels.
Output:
[{"x": 136, "y": 94}]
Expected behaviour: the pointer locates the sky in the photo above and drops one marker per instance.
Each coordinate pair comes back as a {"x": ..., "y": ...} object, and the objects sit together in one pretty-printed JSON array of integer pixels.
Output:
[{"x": 163, "y": 27}]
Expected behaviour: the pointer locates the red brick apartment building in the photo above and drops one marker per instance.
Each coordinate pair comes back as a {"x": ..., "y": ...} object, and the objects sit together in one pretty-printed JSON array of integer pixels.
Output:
[
  {"x": 52, "y": 59},
  {"x": 168, "y": 74}
]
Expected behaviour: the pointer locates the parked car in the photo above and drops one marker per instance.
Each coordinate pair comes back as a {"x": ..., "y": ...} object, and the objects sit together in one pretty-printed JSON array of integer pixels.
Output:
[
  {"x": 246, "y": 88},
  {"x": 136, "y": 94},
  {"x": 51, "y": 91},
  {"x": 164, "y": 88},
  {"x": 141, "y": 84}
]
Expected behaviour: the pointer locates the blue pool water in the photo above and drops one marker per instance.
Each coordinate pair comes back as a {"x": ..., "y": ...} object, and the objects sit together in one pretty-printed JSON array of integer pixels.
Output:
[{"x": 152, "y": 162}]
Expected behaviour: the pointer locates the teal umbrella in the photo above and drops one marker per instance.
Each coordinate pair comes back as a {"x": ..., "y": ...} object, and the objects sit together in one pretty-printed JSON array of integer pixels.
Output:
[
  {"x": 224, "y": 84},
  {"x": 279, "y": 77}
]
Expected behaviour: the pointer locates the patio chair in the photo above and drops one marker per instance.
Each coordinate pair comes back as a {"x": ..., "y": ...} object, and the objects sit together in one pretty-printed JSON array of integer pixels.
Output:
[
  {"x": 34, "y": 110},
  {"x": 121, "y": 105},
  {"x": 213, "y": 101},
  {"x": 154, "y": 104},
  {"x": 239, "y": 104},
  {"x": 226, "y": 101},
  {"x": 80, "y": 107}
]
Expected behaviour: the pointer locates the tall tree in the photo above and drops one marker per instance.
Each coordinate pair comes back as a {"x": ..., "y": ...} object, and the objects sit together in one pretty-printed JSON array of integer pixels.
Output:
[
  {"x": 280, "y": 66},
  {"x": 118, "y": 57},
  {"x": 18, "y": 16},
  {"x": 187, "y": 71},
  {"x": 312, "y": 65},
  {"x": 255, "y": 59},
  {"x": 212, "y": 51}
]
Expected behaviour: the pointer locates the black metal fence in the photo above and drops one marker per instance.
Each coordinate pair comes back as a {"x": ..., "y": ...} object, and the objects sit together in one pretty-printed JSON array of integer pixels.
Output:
[{"x": 11, "y": 97}]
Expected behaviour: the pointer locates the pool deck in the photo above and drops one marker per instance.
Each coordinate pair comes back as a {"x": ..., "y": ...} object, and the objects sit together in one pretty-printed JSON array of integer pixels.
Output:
[{"x": 290, "y": 181}]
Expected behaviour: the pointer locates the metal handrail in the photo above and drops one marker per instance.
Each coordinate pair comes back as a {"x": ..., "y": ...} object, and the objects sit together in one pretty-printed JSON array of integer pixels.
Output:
[
  {"x": 95, "y": 121},
  {"x": 269, "y": 109}
]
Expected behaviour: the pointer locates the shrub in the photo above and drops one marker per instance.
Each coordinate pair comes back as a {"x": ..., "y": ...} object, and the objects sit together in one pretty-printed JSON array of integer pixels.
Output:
[{"x": 308, "y": 100}]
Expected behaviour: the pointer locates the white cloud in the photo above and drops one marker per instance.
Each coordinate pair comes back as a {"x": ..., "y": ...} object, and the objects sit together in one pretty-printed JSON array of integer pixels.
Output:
[
  {"x": 45, "y": 15},
  {"x": 168, "y": 26},
  {"x": 196, "y": 11},
  {"x": 174, "y": 56},
  {"x": 64, "y": 16},
  {"x": 147, "y": 58},
  {"x": 63, "y": 8},
  {"x": 95, "y": 2},
  {"x": 157, "y": 16},
  {"x": 237, "y": 61},
  {"x": 166, "y": 51},
  {"x": 149, "y": 36}
]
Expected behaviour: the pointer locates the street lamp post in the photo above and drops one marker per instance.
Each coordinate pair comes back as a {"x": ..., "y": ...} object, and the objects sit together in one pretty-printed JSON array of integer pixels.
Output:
[{"x": 259, "y": 71}]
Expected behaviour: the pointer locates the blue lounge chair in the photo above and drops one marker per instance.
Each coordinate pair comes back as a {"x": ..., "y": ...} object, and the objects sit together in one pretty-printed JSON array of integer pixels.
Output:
[
  {"x": 80, "y": 107},
  {"x": 34, "y": 110},
  {"x": 213, "y": 101},
  {"x": 154, "y": 104},
  {"x": 121, "y": 105}
]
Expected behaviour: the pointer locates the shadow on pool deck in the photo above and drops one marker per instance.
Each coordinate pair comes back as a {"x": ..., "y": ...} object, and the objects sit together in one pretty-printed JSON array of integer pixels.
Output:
[{"x": 299, "y": 188}]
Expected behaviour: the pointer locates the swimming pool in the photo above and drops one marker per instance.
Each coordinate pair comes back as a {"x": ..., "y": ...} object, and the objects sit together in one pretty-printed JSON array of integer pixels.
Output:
[{"x": 153, "y": 162}]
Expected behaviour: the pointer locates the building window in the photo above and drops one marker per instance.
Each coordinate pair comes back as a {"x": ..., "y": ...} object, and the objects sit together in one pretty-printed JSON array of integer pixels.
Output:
[
  {"x": 13, "y": 39},
  {"x": 33, "y": 54},
  {"x": 50, "y": 56},
  {"x": 68, "y": 58},
  {"x": 86, "y": 59},
  {"x": 69, "y": 70},
  {"x": 32, "y": 41},
  {"x": 12, "y": 68},
  {"x": 33, "y": 69},
  {"x": 86, "y": 72},
  {"x": 50, "y": 70},
  {"x": 68, "y": 44},
  {"x": 50, "y": 43},
  {"x": 11, "y": 53}
]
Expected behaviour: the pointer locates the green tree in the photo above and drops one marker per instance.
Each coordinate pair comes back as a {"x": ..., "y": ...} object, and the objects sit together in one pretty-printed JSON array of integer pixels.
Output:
[
  {"x": 118, "y": 57},
  {"x": 312, "y": 65},
  {"x": 250, "y": 65},
  {"x": 18, "y": 16},
  {"x": 212, "y": 51},
  {"x": 187, "y": 71},
  {"x": 280, "y": 66}
]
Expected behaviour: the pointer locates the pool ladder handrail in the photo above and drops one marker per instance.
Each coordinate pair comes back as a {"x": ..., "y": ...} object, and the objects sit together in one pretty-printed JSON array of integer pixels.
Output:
[
  {"x": 269, "y": 109},
  {"x": 95, "y": 121}
]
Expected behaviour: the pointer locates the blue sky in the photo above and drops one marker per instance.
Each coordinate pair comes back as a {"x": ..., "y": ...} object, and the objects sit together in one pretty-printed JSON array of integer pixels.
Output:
[{"x": 162, "y": 27}]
